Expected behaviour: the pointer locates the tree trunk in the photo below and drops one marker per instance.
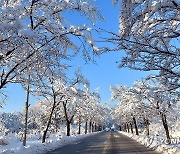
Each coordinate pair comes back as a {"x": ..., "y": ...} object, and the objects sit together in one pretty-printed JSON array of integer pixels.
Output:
[
  {"x": 26, "y": 112},
  {"x": 92, "y": 127},
  {"x": 95, "y": 127},
  {"x": 135, "y": 125},
  {"x": 120, "y": 128},
  {"x": 79, "y": 129},
  {"x": 99, "y": 128},
  {"x": 146, "y": 123},
  {"x": 49, "y": 120},
  {"x": 164, "y": 120},
  {"x": 68, "y": 122},
  {"x": 68, "y": 128},
  {"x": 90, "y": 124},
  {"x": 86, "y": 127},
  {"x": 127, "y": 127},
  {"x": 131, "y": 128}
]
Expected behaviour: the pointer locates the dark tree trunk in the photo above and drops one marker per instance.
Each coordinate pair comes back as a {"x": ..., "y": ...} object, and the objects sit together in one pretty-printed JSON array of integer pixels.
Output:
[
  {"x": 26, "y": 112},
  {"x": 86, "y": 127},
  {"x": 79, "y": 126},
  {"x": 68, "y": 122},
  {"x": 120, "y": 128},
  {"x": 95, "y": 127},
  {"x": 48, "y": 124},
  {"x": 90, "y": 125},
  {"x": 49, "y": 120},
  {"x": 68, "y": 128},
  {"x": 131, "y": 128},
  {"x": 135, "y": 125},
  {"x": 164, "y": 121},
  {"x": 127, "y": 127}
]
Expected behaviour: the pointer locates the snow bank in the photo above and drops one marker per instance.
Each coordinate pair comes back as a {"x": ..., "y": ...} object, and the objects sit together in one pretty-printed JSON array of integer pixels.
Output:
[
  {"x": 157, "y": 143},
  {"x": 34, "y": 146}
]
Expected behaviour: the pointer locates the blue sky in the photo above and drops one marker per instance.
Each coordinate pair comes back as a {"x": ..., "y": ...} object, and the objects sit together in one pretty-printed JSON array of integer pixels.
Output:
[{"x": 102, "y": 74}]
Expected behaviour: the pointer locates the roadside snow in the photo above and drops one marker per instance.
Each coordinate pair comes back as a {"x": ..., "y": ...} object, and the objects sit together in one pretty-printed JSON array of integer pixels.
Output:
[
  {"x": 157, "y": 143},
  {"x": 34, "y": 146}
]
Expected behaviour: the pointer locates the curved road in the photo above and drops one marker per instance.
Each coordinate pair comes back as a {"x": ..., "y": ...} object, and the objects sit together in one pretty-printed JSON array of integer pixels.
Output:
[{"x": 104, "y": 143}]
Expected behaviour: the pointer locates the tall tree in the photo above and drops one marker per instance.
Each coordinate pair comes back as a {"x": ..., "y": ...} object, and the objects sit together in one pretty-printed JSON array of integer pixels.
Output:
[{"x": 26, "y": 111}]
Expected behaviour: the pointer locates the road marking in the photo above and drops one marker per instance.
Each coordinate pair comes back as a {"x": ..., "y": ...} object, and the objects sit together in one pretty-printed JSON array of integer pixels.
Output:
[
  {"x": 116, "y": 136},
  {"x": 106, "y": 145}
]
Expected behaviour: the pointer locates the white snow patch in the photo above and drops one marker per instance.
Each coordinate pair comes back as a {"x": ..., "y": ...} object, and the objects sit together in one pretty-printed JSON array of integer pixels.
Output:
[
  {"x": 157, "y": 143},
  {"x": 35, "y": 146}
]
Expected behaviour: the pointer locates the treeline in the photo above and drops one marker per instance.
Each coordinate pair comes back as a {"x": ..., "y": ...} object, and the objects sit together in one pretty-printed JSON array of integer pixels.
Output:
[
  {"x": 143, "y": 104},
  {"x": 86, "y": 114}
]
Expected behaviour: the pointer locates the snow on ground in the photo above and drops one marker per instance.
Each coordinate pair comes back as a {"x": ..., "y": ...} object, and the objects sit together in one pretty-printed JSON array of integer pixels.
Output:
[
  {"x": 34, "y": 145},
  {"x": 157, "y": 137},
  {"x": 157, "y": 143}
]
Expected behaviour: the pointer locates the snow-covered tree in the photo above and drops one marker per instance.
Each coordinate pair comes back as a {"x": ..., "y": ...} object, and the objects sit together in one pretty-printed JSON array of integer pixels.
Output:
[
  {"x": 161, "y": 101},
  {"x": 103, "y": 117},
  {"x": 36, "y": 34},
  {"x": 11, "y": 122},
  {"x": 36, "y": 38},
  {"x": 144, "y": 101},
  {"x": 89, "y": 104},
  {"x": 128, "y": 107},
  {"x": 53, "y": 89},
  {"x": 38, "y": 115},
  {"x": 149, "y": 33}
]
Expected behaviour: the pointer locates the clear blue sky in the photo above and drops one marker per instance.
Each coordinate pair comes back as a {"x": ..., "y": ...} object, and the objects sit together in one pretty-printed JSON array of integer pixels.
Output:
[{"x": 102, "y": 74}]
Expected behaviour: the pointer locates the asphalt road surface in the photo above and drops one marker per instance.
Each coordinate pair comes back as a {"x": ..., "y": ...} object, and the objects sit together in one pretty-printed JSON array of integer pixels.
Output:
[{"x": 104, "y": 143}]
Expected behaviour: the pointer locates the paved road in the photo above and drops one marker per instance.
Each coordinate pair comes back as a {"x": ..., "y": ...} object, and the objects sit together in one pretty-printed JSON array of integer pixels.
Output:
[{"x": 104, "y": 143}]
